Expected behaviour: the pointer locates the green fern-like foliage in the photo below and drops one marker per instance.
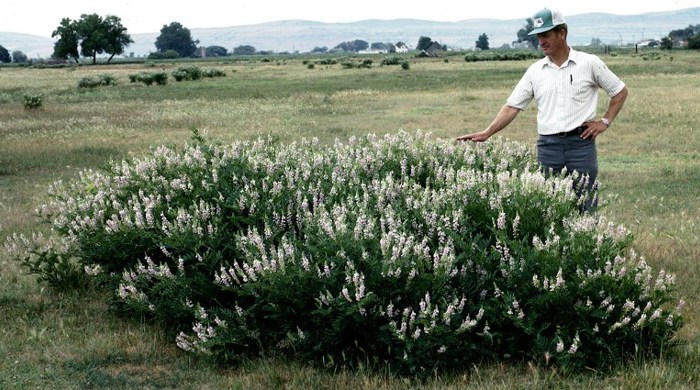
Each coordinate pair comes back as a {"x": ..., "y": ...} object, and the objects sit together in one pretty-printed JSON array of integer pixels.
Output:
[{"x": 404, "y": 251}]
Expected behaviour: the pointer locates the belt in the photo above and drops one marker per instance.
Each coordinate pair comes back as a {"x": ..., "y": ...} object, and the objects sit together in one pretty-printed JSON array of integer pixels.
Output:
[{"x": 576, "y": 131}]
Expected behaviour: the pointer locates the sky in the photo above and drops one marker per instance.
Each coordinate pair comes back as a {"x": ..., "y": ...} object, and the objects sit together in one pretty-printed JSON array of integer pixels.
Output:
[{"x": 41, "y": 17}]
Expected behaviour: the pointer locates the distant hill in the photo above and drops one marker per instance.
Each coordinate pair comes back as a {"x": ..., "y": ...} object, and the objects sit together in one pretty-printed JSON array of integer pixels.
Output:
[
  {"x": 303, "y": 36},
  {"x": 34, "y": 46}
]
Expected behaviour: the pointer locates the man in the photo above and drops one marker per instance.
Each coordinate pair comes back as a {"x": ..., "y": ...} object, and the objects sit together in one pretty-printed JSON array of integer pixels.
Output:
[{"x": 564, "y": 84}]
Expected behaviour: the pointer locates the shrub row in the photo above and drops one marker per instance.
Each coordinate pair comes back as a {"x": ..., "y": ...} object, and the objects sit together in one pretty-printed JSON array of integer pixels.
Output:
[
  {"x": 196, "y": 73},
  {"x": 97, "y": 81},
  {"x": 503, "y": 56},
  {"x": 391, "y": 61},
  {"x": 420, "y": 254},
  {"x": 165, "y": 55},
  {"x": 364, "y": 64},
  {"x": 651, "y": 56},
  {"x": 148, "y": 78},
  {"x": 187, "y": 73},
  {"x": 180, "y": 74},
  {"x": 396, "y": 61}
]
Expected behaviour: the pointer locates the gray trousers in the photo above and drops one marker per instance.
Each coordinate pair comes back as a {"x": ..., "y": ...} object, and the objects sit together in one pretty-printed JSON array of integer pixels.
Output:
[{"x": 554, "y": 153}]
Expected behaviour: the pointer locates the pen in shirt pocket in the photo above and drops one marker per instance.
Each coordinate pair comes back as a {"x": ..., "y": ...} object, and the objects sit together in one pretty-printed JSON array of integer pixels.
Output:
[{"x": 571, "y": 78}]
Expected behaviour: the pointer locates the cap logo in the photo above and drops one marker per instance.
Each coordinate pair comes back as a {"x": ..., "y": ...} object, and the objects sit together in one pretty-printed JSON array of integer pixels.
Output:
[{"x": 538, "y": 22}]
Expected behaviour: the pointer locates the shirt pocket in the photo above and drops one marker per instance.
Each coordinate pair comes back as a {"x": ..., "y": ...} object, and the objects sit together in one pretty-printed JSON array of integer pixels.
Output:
[{"x": 581, "y": 91}]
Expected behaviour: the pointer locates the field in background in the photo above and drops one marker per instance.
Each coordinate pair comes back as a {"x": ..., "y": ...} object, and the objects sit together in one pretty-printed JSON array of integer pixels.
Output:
[{"x": 649, "y": 162}]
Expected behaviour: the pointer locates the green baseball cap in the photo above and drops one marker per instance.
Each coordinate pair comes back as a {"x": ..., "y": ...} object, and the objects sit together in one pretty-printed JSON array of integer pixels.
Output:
[{"x": 545, "y": 20}]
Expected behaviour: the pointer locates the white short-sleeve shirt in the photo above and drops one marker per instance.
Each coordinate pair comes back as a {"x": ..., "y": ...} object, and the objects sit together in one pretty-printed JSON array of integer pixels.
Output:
[{"x": 566, "y": 95}]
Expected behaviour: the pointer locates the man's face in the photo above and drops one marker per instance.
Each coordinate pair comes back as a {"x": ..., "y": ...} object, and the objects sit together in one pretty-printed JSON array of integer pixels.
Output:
[{"x": 551, "y": 41}]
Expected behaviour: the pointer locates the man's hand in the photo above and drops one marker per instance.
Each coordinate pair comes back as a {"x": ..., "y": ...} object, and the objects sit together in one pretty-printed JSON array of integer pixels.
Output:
[
  {"x": 475, "y": 137},
  {"x": 596, "y": 127},
  {"x": 504, "y": 117},
  {"x": 593, "y": 129}
]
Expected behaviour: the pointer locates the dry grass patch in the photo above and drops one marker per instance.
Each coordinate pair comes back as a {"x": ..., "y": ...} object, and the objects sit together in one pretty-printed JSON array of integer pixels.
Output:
[{"x": 649, "y": 158}]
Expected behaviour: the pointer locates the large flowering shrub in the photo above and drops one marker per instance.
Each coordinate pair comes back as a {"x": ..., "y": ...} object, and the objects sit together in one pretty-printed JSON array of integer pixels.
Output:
[{"x": 418, "y": 253}]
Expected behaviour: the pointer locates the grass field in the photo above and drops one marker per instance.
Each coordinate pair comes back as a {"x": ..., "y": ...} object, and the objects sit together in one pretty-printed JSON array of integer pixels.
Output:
[{"x": 649, "y": 162}]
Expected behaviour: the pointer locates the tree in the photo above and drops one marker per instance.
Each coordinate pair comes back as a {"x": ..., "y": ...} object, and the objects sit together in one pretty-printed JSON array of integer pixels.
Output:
[
  {"x": 684, "y": 34},
  {"x": 176, "y": 37},
  {"x": 91, "y": 35},
  {"x": 666, "y": 43},
  {"x": 216, "y": 51},
  {"x": 382, "y": 46},
  {"x": 101, "y": 35},
  {"x": 94, "y": 34},
  {"x": 4, "y": 55},
  {"x": 689, "y": 35},
  {"x": 352, "y": 46},
  {"x": 483, "y": 42},
  {"x": 424, "y": 43},
  {"x": 18, "y": 56},
  {"x": 116, "y": 37},
  {"x": 66, "y": 47},
  {"x": 694, "y": 42},
  {"x": 523, "y": 34},
  {"x": 243, "y": 50},
  {"x": 595, "y": 42}
]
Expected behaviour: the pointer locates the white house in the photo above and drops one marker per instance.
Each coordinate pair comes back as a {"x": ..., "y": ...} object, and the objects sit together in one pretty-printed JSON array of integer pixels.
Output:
[{"x": 401, "y": 47}]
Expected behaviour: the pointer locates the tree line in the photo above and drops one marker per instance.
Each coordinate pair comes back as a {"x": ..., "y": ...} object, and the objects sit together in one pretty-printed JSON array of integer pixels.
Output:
[
  {"x": 93, "y": 35},
  {"x": 688, "y": 37}
]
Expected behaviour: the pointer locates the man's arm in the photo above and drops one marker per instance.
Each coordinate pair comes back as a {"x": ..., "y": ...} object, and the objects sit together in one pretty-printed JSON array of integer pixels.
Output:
[
  {"x": 594, "y": 128},
  {"x": 503, "y": 119}
]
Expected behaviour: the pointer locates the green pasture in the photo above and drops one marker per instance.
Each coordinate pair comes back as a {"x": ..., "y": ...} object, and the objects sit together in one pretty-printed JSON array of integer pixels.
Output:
[{"x": 649, "y": 163}]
